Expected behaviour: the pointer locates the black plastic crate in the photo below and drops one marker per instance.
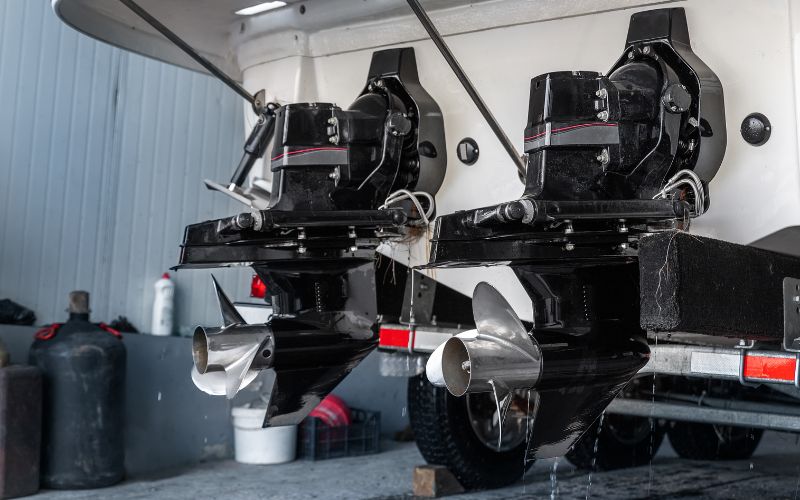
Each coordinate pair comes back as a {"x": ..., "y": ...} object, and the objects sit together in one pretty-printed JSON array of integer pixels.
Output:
[{"x": 317, "y": 441}]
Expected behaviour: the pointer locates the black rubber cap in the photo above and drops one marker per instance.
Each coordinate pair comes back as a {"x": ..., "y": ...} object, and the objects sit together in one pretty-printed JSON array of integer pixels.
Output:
[
  {"x": 756, "y": 129},
  {"x": 468, "y": 151}
]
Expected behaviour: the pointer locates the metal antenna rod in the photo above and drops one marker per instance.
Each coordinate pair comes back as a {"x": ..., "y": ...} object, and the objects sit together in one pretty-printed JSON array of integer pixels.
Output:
[
  {"x": 467, "y": 84},
  {"x": 202, "y": 61}
]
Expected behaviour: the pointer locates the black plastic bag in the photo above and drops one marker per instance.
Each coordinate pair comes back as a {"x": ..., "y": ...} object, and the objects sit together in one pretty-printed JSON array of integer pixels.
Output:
[{"x": 12, "y": 313}]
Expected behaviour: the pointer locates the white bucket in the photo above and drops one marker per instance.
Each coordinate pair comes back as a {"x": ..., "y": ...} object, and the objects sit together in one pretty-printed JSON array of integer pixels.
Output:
[{"x": 256, "y": 445}]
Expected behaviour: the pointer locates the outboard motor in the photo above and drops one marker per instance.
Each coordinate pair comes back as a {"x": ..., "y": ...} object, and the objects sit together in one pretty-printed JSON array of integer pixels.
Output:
[
  {"x": 313, "y": 246},
  {"x": 610, "y": 158}
]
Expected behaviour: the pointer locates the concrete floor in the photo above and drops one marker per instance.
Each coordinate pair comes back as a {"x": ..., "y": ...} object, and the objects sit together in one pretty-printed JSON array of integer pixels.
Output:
[{"x": 773, "y": 472}]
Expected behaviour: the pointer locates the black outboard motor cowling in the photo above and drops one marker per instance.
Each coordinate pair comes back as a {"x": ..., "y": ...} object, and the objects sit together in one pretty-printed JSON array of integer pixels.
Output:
[
  {"x": 621, "y": 136},
  {"x": 390, "y": 138}
]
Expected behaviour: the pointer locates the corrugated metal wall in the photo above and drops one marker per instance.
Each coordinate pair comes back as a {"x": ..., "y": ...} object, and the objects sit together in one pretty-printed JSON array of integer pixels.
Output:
[{"x": 102, "y": 156}]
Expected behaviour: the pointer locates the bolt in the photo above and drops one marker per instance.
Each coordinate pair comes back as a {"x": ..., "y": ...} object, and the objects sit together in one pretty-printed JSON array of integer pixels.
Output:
[
  {"x": 379, "y": 83},
  {"x": 352, "y": 233},
  {"x": 569, "y": 247},
  {"x": 244, "y": 221},
  {"x": 602, "y": 93},
  {"x": 797, "y": 298},
  {"x": 301, "y": 249},
  {"x": 334, "y": 139},
  {"x": 603, "y": 115},
  {"x": 332, "y": 120},
  {"x": 301, "y": 235},
  {"x": 604, "y": 157},
  {"x": 693, "y": 121},
  {"x": 258, "y": 220},
  {"x": 646, "y": 50},
  {"x": 466, "y": 365},
  {"x": 568, "y": 228},
  {"x": 630, "y": 55},
  {"x": 353, "y": 249},
  {"x": 623, "y": 246},
  {"x": 622, "y": 227},
  {"x": 335, "y": 175}
]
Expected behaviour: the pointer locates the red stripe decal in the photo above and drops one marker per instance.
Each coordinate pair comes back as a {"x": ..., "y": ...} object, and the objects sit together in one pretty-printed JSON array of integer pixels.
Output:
[
  {"x": 393, "y": 337},
  {"x": 765, "y": 368},
  {"x": 571, "y": 127},
  {"x": 309, "y": 150}
]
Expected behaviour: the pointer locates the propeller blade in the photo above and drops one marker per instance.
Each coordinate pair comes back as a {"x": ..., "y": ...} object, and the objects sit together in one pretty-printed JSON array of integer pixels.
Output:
[
  {"x": 494, "y": 316},
  {"x": 214, "y": 383},
  {"x": 230, "y": 316}
]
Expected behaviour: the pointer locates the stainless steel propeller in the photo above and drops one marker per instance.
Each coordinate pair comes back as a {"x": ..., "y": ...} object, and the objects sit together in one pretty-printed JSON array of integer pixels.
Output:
[{"x": 228, "y": 358}]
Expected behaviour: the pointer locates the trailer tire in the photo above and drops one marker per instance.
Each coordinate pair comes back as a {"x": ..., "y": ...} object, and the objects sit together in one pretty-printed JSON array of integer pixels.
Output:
[
  {"x": 623, "y": 441},
  {"x": 697, "y": 441},
  {"x": 445, "y": 437}
]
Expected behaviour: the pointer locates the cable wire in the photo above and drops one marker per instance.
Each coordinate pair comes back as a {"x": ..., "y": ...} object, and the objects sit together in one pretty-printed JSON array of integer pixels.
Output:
[{"x": 404, "y": 194}]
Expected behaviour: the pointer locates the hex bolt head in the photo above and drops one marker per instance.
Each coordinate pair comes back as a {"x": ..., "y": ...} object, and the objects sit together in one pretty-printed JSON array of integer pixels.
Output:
[
  {"x": 335, "y": 175},
  {"x": 603, "y": 115},
  {"x": 569, "y": 247},
  {"x": 604, "y": 157},
  {"x": 245, "y": 220}
]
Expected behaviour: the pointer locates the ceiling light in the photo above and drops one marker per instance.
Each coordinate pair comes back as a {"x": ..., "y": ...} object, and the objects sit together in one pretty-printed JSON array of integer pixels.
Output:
[{"x": 259, "y": 8}]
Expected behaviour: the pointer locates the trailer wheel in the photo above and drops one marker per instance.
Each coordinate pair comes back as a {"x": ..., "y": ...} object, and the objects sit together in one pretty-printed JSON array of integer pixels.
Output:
[
  {"x": 458, "y": 433},
  {"x": 623, "y": 441},
  {"x": 713, "y": 442}
]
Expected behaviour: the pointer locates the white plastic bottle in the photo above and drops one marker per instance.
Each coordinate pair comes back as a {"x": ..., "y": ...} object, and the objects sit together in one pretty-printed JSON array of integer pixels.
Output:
[{"x": 162, "y": 306}]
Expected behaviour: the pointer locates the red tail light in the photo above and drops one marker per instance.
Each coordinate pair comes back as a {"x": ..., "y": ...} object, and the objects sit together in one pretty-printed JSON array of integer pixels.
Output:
[{"x": 258, "y": 288}]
